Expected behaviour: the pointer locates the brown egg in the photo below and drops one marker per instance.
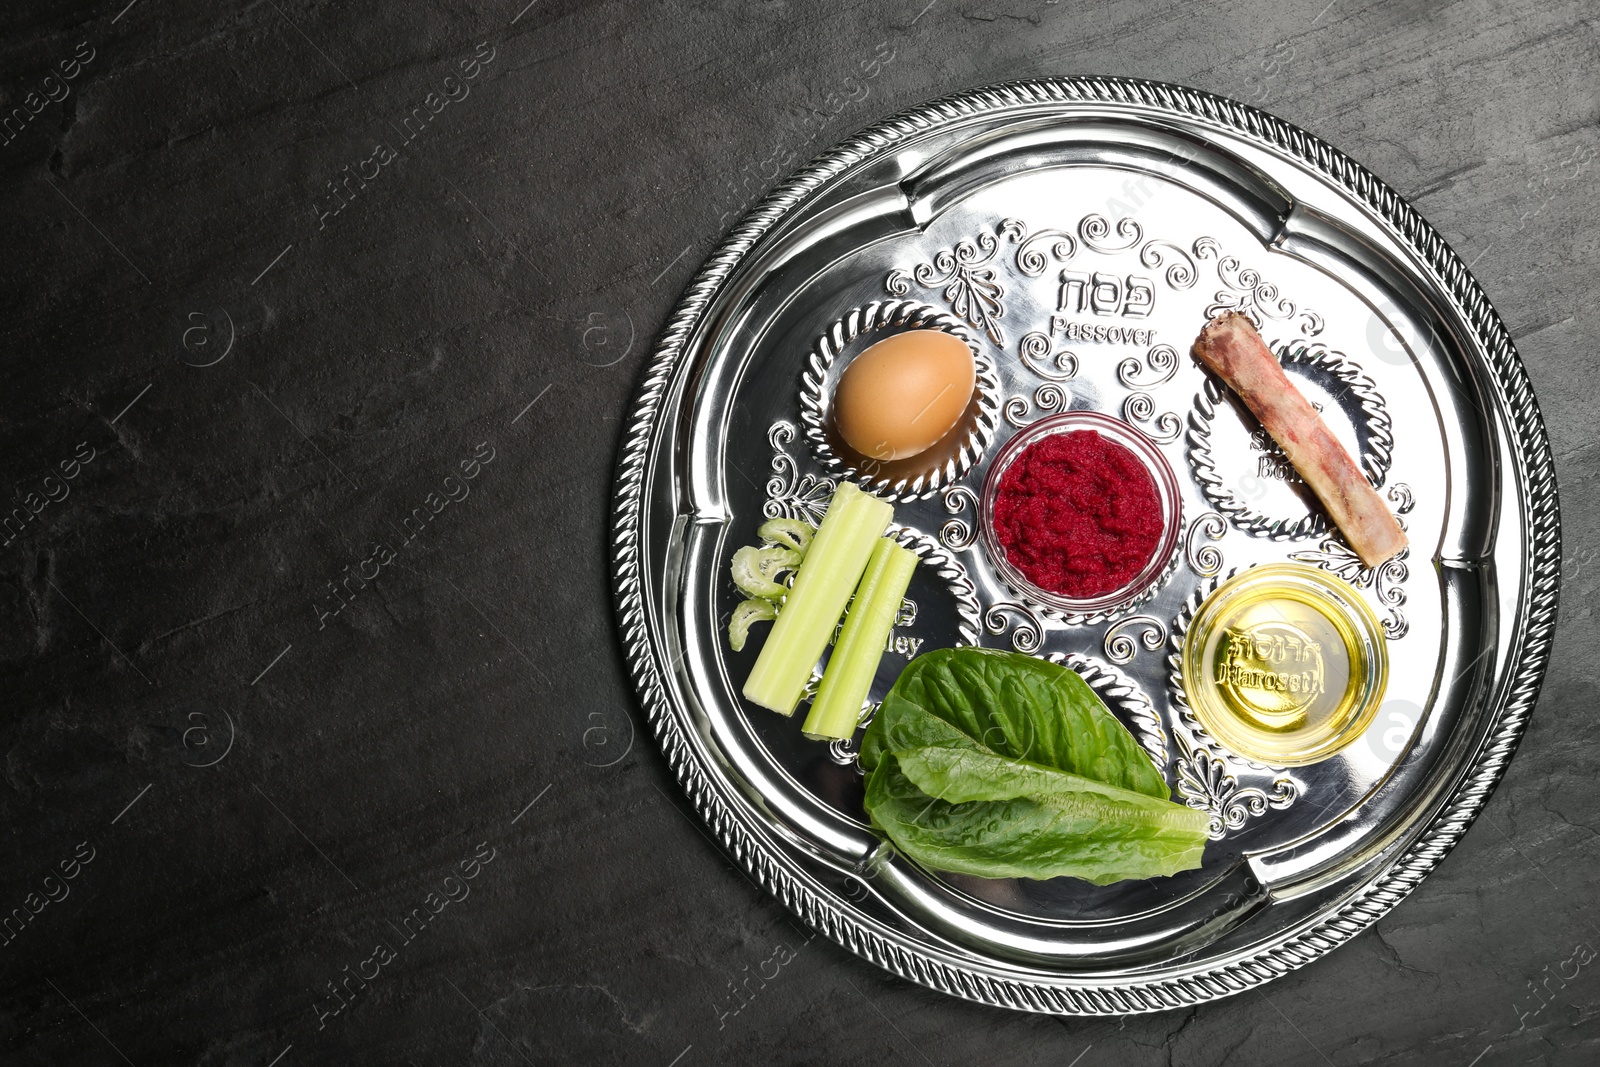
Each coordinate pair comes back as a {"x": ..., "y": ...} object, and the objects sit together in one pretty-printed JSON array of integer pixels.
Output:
[{"x": 903, "y": 394}]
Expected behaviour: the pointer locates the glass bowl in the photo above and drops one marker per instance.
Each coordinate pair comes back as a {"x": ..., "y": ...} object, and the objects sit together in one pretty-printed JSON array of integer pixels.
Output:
[
  {"x": 1285, "y": 664},
  {"x": 1141, "y": 584}
]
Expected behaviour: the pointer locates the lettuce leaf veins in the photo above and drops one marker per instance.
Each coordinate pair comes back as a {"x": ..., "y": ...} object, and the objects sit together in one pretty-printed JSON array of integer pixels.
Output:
[{"x": 1000, "y": 765}]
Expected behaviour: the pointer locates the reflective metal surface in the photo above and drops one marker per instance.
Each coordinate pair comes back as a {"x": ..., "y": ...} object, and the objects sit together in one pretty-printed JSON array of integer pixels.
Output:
[{"x": 1083, "y": 231}]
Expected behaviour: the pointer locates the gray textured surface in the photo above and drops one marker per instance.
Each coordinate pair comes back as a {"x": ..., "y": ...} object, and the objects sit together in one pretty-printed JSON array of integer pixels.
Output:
[{"x": 510, "y": 253}]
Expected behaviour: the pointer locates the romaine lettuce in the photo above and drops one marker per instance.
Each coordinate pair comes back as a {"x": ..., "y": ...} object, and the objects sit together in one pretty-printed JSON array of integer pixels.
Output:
[{"x": 1001, "y": 765}]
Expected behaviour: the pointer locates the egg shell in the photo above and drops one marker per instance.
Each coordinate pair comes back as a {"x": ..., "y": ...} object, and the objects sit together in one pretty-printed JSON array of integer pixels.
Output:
[{"x": 903, "y": 394}]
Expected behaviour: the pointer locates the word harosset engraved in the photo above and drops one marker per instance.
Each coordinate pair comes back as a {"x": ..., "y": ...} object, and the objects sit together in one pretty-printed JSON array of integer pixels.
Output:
[{"x": 1274, "y": 669}]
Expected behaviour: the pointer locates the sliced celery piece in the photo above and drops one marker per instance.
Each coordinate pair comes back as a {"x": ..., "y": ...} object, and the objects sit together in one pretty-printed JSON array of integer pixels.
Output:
[
  {"x": 854, "y": 662},
  {"x": 790, "y": 533},
  {"x": 746, "y": 615},
  {"x": 755, "y": 570},
  {"x": 838, "y": 554}
]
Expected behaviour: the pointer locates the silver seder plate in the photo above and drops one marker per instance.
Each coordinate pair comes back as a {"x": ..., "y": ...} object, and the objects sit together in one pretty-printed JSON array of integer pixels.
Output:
[{"x": 1080, "y": 232}]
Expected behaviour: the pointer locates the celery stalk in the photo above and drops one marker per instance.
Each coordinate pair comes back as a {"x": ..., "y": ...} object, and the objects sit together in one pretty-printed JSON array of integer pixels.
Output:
[
  {"x": 854, "y": 663},
  {"x": 822, "y": 586}
]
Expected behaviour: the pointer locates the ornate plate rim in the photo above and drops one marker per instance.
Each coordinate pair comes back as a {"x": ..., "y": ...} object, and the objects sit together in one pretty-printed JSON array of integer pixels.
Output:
[{"x": 1000, "y": 985}]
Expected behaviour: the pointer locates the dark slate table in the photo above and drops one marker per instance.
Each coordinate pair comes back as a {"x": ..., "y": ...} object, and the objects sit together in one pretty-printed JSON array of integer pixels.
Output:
[{"x": 320, "y": 324}]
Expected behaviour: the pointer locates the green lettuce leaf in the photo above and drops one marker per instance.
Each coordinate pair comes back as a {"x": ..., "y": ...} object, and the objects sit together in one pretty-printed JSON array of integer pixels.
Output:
[{"x": 1001, "y": 765}]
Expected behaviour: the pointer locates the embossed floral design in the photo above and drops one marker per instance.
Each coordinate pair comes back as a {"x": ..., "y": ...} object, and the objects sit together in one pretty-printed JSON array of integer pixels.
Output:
[
  {"x": 791, "y": 494},
  {"x": 1387, "y": 579},
  {"x": 847, "y": 753},
  {"x": 1048, "y": 398},
  {"x": 1027, "y": 632},
  {"x": 970, "y": 286},
  {"x": 1140, "y": 409},
  {"x": 1157, "y": 367},
  {"x": 1120, "y": 647},
  {"x": 968, "y": 282},
  {"x": 1403, "y": 499},
  {"x": 1033, "y": 257},
  {"x": 1095, "y": 229},
  {"x": 1035, "y": 351},
  {"x": 1204, "y": 976},
  {"x": 957, "y": 534},
  {"x": 1205, "y": 785},
  {"x": 1245, "y": 292},
  {"x": 1181, "y": 271},
  {"x": 1205, "y": 560}
]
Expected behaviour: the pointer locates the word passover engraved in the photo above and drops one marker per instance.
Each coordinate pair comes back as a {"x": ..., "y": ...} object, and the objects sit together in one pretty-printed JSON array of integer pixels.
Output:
[
  {"x": 1100, "y": 333},
  {"x": 1103, "y": 294}
]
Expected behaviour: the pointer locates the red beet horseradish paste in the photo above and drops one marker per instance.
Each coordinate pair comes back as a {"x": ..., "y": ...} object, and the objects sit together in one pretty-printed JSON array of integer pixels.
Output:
[{"x": 1078, "y": 514}]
